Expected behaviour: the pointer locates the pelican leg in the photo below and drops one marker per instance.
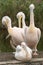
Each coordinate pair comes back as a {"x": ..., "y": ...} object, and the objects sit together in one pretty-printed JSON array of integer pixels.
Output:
[
  {"x": 35, "y": 51},
  {"x": 7, "y": 36},
  {"x": 11, "y": 43}
]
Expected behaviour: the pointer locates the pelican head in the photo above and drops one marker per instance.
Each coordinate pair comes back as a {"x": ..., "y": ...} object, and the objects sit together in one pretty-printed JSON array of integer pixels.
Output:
[
  {"x": 6, "y": 21},
  {"x": 31, "y": 7},
  {"x": 20, "y": 16},
  {"x": 18, "y": 48}
]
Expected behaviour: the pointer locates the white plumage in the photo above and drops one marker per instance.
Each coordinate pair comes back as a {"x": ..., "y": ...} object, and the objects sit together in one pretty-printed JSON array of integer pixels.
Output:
[
  {"x": 21, "y": 18},
  {"x": 20, "y": 54},
  {"x": 33, "y": 33},
  {"x": 16, "y": 33},
  {"x": 23, "y": 52}
]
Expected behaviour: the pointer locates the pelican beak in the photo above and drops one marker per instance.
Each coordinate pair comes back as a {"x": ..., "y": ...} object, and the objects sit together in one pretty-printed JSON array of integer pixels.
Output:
[
  {"x": 6, "y": 24},
  {"x": 6, "y": 21},
  {"x": 20, "y": 18}
]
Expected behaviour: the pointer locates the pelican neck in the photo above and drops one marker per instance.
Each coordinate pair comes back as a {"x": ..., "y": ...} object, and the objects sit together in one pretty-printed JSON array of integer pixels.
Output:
[
  {"x": 23, "y": 22},
  {"x": 31, "y": 18}
]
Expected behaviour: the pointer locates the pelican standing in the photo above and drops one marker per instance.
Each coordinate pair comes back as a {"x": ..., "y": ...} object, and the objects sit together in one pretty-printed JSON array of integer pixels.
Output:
[
  {"x": 15, "y": 32},
  {"x": 21, "y": 18},
  {"x": 33, "y": 33}
]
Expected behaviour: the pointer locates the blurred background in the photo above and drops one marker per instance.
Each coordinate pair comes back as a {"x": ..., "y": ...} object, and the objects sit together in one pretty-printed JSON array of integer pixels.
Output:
[{"x": 11, "y": 8}]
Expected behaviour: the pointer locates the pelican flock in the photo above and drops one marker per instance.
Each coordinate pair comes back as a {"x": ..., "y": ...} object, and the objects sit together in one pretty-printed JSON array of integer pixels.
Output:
[{"x": 25, "y": 38}]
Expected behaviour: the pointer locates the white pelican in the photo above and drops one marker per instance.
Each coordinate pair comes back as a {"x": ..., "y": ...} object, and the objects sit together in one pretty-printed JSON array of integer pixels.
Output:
[
  {"x": 23, "y": 52},
  {"x": 19, "y": 16},
  {"x": 21, "y": 19},
  {"x": 20, "y": 54},
  {"x": 15, "y": 32},
  {"x": 33, "y": 33}
]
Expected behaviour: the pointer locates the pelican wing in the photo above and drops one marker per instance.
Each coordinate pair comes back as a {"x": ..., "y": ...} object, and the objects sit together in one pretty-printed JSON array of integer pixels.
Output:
[{"x": 39, "y": 34}]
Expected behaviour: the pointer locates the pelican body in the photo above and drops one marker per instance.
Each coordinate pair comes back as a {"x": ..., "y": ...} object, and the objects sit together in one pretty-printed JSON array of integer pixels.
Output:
[
  {"x": 20, "y": 54},
  {"x": 17, "y": 34},
  {"x": 23, "y": 52},
  {"x": 21, "y": 18},
  {"x": 32, "y": 33}
]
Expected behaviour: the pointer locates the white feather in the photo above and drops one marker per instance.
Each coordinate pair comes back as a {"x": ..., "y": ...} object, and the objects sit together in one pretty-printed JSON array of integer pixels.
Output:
[{"x": 23, "y": 52}]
